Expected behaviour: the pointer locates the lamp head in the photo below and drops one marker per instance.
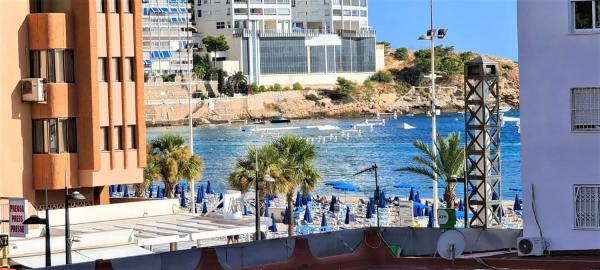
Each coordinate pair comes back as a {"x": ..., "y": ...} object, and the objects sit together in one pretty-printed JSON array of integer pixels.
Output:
[
  {"x": 441, "y": 33},
  {"x": 34, "y": 219},
  {"x": 76, "y": 196}
]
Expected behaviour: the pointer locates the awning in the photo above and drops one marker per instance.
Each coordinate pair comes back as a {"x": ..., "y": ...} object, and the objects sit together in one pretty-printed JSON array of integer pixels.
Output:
[{"x": 83, "y": 255}]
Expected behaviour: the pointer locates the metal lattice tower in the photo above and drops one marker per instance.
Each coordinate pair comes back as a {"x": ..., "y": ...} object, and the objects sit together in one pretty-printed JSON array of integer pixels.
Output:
[{"x": 483, "y": 177}]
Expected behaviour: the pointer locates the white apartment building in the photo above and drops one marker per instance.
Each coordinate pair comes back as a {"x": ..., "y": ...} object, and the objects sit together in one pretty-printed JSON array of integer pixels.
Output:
[
  {"x": 166, "y": 36},
  {"x": 288, "y": 41},
  {"x": 559, "y": 57},
  {"x": 330, "y": 15}
]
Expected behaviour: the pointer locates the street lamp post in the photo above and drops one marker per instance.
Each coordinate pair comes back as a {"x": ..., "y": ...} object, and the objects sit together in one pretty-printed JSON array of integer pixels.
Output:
[
  {"x": 69, "y": 197},
  {"x": 431, "y": 36},
  {"x": 34, "y": 219}
]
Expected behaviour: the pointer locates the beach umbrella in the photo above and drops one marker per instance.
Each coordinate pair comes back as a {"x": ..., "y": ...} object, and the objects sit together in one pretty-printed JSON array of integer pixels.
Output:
[
  {"x": 332, "y": 205},
  {"x": 347, "y": 219},
  {"x": 126, "y": 192},
  {"x": 308, "y": 197},
  {"x": 150, "y": 191},
  {"x": 119, "y": 188},
  {"x": 285, "y": 216},
  {"x": 334, "y": 199},
  {"x": 430, "y": 218},
  {"x": 426, "y": 212},
  {"x": 177, "y": 190},
  {"x": 373, "y": 205},
  {"x": 411, "y": 195},
  {"x": 307, "y": 215},
  {"x": 273, "y": 226},
  {"x": 369, "y": 213},
  {"x": 267, "y": 201},
  {"x": 266, "y": 212},
  {"x": 111, "y": 190},
  {"x": 195, "y": 210},
  {"x": 204, "y": 208},
  {"x": 183, "y": 199},
  {"x": 200, "y": 195},
  {"x": 418, "y": 209},
  {"x": 461, "y": 206},
  {"x": 382, "y": 200},
  {"x": 245, "y": 210},
  {"x": 323, "y": 221},
  {"x": 209, "y": 188},
  {"x": 517, "y": 204},
  {"x": 160, "y": 192},
  {"x": 298, "y": 201},
  {"x": 220, "y": 201},
  {"x": 417, "y": 197}
]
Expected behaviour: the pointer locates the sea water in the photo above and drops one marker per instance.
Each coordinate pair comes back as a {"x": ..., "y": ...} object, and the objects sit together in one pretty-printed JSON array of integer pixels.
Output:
[{"x": 389, "y": 146}]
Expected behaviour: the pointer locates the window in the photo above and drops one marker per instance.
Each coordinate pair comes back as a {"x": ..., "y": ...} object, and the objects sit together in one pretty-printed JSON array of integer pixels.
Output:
[
  {"x": 270, "y": 11},
  {"x": 118, "y": 137},
  {"x": 115, "y": 73},
  {"x": 585, "y": 109},
  {"x": 104, "y": 139},
  {"x": 199, "y": 13},
  {"x": 220, "y": 25},
  {"x": 102, "y": 69},
  {"x": 54, "y": 135},
  {"x": 100, "y": 6},
  {"x": 283, "y": 11},
  {"x": 127, "y": 7},
  {"x": 129, "y": 69},
  {"x": 586, "y": 15},
  {"x": 113, "y": 6},
  {"x": 131, "y": 141},
  {"x": 587, "y": 206},
  {"x": 54, "y": 66}
]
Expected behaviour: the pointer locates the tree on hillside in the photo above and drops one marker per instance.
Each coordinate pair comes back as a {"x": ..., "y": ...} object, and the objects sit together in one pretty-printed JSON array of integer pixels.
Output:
[
  {"x": 215, "y": 44},
  {"x": 236, "y": 83},
  {"x": 203, "y": 67},
  {"x": 447, "y": 164},
  {"x": 386, "y": 45},
  {"x": 174, "y": 161},
  {"x": 345, "y": 88},
  {"x": 401, "y": 54}
]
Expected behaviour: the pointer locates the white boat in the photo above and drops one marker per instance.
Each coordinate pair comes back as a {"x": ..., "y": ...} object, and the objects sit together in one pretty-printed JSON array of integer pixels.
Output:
[{"x": 405, "y": 126}]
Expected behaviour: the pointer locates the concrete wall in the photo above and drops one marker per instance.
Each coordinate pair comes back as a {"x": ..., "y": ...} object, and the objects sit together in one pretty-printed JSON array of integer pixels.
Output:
[
  {"x": 552, "y": 61},
  {"x": 312, "y": 79}
]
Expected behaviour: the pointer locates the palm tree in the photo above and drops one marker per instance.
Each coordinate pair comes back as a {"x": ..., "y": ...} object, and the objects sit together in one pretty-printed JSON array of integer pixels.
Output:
[
  {"x": 174, "y": 161},
  {"x": 448, "y": 163},
  {"x": 296, "y": 170},
  {"x": 151, "y": 173},
  {"x": 235, "y": 81},
  {"x": 243, "y": 176}
]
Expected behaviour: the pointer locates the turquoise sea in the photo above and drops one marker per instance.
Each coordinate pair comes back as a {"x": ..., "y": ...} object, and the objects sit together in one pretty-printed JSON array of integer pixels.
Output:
[{"x": 388, "y": 146}]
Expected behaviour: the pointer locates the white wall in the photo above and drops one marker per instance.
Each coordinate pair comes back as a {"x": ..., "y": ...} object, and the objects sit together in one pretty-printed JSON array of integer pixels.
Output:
[
  {"x": 552, "y": 61},
  {"x": 312, "y": 79}
]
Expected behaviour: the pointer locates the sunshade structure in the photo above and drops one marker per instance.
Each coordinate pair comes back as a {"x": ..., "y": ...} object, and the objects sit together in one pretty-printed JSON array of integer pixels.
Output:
[
  {"x": 201, "y": 194},
  {"x": 298, "y": 202},
  {"x": 245, "y": 211},
  {"x": 183, "y": 199},
  {"x": 411, "y": 195},
  {"x": 307, "y": 216},
  {"x": 273, "y": 226},
  {"x": 209, "y": 188},
  {"x": 177, "y": 189},
  {"x": 161, "y": 192},
  {"x": 517, "y": 203},
  {"x": 204, "y": 208},
  {"x": 430, "y": 218},
  {"x": 347, "y": 219},
  {"x": 220, "y": 201},
  {"x": 324, "y": 220},
  {"x": 286, "y": 214},
  {"x": 461, "y": 206},
  {"x": 417, "y": 197},
  {"x": 119, "y": 188},
  {"x": 418, "y": 209},
  {"x": 126, "y": 192},
  {"x": 369, "y": 212},
  {"x": 344, "y": 186},
  {"x": 266, "y": 212},
  {"x": 382, "y": 200}
]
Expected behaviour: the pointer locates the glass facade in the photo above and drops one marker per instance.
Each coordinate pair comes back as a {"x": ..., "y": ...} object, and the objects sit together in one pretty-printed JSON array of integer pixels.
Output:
[{"x": 289, "y": 55}]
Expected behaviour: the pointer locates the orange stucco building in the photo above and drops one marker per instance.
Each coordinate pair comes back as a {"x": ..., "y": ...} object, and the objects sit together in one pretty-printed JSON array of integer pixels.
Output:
[{"x": 89, "y": 130}]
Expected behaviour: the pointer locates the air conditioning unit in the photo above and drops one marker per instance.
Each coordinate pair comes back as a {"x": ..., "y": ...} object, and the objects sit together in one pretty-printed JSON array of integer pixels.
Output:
[
  {"x": 531, "y": 246},
  {"x": 32, "y": 90}
]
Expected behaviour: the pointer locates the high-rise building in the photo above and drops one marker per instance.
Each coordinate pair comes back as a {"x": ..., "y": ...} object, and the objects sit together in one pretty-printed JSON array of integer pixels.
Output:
[
  {"x": 72, "y": 98},
  {"x": 167, "y": 33},
  {"x": 287, "y": 41},
  {"x": 559, "y": 63}
]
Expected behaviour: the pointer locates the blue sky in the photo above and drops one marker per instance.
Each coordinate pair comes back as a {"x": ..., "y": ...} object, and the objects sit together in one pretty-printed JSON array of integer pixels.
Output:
[{"x": 486, "y": 26}]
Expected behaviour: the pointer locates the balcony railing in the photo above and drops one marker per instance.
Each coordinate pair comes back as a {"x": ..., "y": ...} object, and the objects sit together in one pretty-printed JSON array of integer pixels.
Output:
[{"x": 363, "y": 33}]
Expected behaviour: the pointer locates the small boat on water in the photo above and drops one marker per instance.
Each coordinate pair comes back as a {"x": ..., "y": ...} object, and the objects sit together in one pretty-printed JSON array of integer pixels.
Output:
[
  {"x": 280, "y": 119},
  {"x": 504, "y": 109},
  {"x": 405, "y": 126},
  {"x": 259, "y": 122}
]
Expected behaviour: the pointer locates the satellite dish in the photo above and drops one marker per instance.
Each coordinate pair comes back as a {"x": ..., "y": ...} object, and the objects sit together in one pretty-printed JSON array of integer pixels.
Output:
[{"x": 451, "y": 244}]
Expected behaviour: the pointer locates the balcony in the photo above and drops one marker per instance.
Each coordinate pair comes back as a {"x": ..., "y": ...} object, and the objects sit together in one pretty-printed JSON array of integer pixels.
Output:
[
  {"x": 49, "y": 170},
  {"x": 47, "y": 31}
]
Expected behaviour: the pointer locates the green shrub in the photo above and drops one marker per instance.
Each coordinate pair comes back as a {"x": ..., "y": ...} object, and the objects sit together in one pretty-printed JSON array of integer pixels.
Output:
[
  {"x": 297, "y": 86},
  {"x": 382, "y": 77},
  {"x": 262, "y": 88},
  {"x": 345, "y": 89},
  {"x": 146, "y": 76},
  {"x": 312, "y": 97},
  {"x": 402, "y": 88},
  {"x": 276, "y": 87},
  {"x": 254, "y": 88},
  {"x": 368, "y": 84},
  {"x": 168, "y": 77},
  {"x": 506, "y": 66},
  {"x": 401, "y": 54}
]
